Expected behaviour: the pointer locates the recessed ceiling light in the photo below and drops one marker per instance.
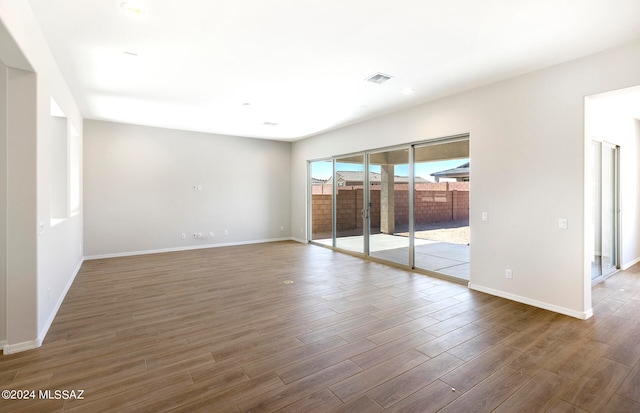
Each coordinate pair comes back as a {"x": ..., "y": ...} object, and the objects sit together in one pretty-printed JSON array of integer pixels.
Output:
[
  {"x": 270, "y": 124},
  {"x": 131, "y": 7},
  {"x": 131, "y": 54},
  {"x": 408, "y": 91},
  {"x": 246, "y": 104}
]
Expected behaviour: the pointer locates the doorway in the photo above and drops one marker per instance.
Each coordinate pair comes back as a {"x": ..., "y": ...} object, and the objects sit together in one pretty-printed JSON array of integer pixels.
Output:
[
  {"x": 389, "y": 205},
  {"x": 442, "y": 231},
  {"x": 351, "y": 214},
  {"x": 405, "y": 205}
]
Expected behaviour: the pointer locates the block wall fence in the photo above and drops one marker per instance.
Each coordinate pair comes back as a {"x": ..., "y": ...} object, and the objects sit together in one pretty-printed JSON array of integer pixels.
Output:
[{"x": 434, "y": 202}]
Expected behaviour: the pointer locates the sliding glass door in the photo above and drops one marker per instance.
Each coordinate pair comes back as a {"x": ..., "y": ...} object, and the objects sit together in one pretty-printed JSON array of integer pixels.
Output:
[
  {"x": 321, "y": 205},
  {"x": 350, "y": 180},
  {"x": 441, "y": 212},
  {"x": 407, "y": 205},
  {"x": 605, "y": 210},
  {"x": 609, "y": 209},
  {"x": 389, "y": 201}
]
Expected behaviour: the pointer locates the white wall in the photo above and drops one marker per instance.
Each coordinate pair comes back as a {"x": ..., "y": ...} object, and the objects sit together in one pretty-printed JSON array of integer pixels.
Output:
[
  {"x": 3, "y": 204},
  {"x": 527, "y": 151},
  {"x": 21, "y": 207},
  {"x": 610, "y": 118},
  {"x": 139, "y": 196},
  {"x": 42, "y": 260},
  {"x": 631, "y": 252}
]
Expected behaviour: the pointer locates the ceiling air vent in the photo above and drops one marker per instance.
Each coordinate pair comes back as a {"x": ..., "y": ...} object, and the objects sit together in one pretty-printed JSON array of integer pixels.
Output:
[{"x": 378, "y": 78}]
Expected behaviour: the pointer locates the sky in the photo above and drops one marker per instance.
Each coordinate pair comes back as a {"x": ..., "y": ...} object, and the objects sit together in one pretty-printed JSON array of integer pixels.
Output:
[{"x": 322, "y": 169}]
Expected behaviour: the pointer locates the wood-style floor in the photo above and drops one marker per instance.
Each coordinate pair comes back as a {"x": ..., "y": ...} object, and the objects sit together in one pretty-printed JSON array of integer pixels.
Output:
[{"x": 223, "y": 330}]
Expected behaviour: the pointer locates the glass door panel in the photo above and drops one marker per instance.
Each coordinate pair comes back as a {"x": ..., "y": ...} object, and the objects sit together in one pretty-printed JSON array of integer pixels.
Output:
[
  {"x": 596, "y": 216},
  {"x": 321, "y": 211},
  {"x": 407, "y": 205},
  {"x": 441, "y": 208},
  {"x": 350, "y": 180},
  {"x": 604, "y": 261},
  {"x": 389, "y": 200},
  {"x": 609, "y": 210}
]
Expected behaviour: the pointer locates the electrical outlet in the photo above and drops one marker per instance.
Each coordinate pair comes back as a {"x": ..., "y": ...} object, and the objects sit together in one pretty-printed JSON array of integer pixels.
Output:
[
  {"x": 226, "y": 232},
  {"x": 485, "y": 216},
  {"x": 508, "y": 274},
  {"x": 183, "y": 235}
]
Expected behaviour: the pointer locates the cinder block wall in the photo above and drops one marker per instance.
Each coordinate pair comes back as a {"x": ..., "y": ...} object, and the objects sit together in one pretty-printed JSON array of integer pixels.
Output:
[{"x": 434, "y": 202}]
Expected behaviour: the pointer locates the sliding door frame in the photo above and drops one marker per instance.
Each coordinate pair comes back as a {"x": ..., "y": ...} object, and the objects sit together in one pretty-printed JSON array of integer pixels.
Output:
[{"x": 366, "y": 210}]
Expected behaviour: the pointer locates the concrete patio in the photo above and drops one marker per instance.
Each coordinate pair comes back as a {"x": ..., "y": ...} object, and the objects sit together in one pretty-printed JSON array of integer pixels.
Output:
[{"x": 442, "y": 257}]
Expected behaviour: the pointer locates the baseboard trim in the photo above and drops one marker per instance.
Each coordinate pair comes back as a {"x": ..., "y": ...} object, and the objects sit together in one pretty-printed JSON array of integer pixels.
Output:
[
  {"x": 30, "y": 345},
  {"x": 583, "y": 315},
  {"x": 189, "y": 248},
  {"x": 630, "y": 264},
  {"x": 18, "y": 347},
  {"x": 45, "y": 328},
  {"x": 300, "y": 240}
]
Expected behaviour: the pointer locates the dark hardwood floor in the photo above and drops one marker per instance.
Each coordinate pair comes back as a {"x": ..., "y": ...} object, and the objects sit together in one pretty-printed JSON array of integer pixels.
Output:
[{"x": 225, "y": 330}]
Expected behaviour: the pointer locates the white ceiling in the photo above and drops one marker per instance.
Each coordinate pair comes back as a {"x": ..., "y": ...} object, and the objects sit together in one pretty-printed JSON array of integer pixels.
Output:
[{"x": 229, "y": 66}]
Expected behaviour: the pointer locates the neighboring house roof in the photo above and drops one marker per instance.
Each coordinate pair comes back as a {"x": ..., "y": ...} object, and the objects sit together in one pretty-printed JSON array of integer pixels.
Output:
[
  {"x": 355, "y": 177},
  {"x": 461, "y": 171},
  {"x": 318, "y": 181}
]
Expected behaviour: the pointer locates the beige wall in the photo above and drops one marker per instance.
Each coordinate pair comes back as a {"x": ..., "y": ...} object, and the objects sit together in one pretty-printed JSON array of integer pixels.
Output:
[
  {"x": 139, "y": 196},
  {"x": 41, "y": 260},
  {"x": 526, "y": 133},
  {"x": 21, "y": 207},
  {"x": 3, "y": 204}
]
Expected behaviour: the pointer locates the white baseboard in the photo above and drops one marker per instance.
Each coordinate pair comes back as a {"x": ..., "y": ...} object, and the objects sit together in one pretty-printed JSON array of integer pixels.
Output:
[
  {"x": 189, "y": 248},
  {"x": 16, "y": 348},
  {"x": 45, "y": 328},
  {"x": 583, "y": 315},
  {"x": 300, "y": 240},
  {"x": 630, "y": 264},
  {"x": 30, "y": 345}
]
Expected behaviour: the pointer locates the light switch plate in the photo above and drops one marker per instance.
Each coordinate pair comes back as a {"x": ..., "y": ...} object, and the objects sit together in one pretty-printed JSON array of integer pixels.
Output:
[{"x": 562, "y": 223}]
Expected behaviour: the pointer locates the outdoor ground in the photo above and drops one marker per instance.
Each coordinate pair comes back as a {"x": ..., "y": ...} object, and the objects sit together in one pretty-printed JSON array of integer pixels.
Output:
[{"x": 455, "y": 232}]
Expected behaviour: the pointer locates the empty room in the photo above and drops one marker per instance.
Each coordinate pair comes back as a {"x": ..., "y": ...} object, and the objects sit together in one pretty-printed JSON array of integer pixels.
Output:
[{"x": 320, "y": 206}]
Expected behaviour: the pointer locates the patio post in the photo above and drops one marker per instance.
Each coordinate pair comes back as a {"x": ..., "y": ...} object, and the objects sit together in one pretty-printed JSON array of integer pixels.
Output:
[{"x": 387, "y": 205}]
